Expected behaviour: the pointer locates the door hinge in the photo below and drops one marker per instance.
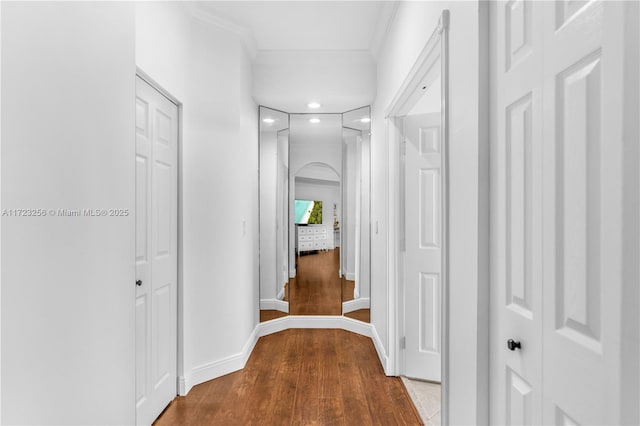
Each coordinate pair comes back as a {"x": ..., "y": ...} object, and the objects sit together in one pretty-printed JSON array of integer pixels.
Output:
[{"x": 403, "y": 343}]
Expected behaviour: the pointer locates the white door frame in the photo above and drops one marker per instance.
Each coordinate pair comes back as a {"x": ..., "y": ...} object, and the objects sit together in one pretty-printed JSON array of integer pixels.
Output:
[
  {"x": 180, "y": 379},
  {"x": 436, "y": 48}
]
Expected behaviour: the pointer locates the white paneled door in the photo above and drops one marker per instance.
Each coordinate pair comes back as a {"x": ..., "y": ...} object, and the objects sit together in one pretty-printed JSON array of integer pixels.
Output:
[
  {"x": 555, "y": 209},
  {"x": 423, "y": 245},
  {"x": 156, "y": 251}
]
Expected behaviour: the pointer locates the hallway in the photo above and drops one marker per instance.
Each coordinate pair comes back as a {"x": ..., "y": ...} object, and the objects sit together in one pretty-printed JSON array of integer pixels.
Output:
[
  {"x": 300, "y": 377},
  {"x": 528, "y": 197}
]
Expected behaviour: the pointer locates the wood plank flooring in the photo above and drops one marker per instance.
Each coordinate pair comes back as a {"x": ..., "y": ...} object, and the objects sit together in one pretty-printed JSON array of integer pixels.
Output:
[
  {"x": 317, "y": 288},
  {"x": 300, "y": 377},
  {"x": 269, "y": 314},
  {"x": 363, "y": 315}
]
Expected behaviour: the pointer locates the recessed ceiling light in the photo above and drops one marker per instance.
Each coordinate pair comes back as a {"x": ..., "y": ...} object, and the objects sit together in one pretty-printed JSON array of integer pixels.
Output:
[
  {"x": 365, "y": 120},
  {"x": 314, "y": 105},
  {"x": 269, "y": 120},
  {"x": 314, "y": 120}
]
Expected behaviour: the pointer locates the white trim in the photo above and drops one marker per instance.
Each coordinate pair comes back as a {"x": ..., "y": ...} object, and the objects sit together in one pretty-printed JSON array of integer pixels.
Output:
[
  {"x": 356, "y": 304},
  {"x": 321, "y": 321},
  {"x": 280, "y": 295},
  {"x": 424, "y": 62},
  {"x": 382, "y": 355},
  {"x": 182, "y": 386},
  {"x": 385, "y": 19},
  {"x": 274, "y": 304},
  {"x": 199, "y": 13},
  {"x": 395, "y": 309},
  {"x": 435, "y": 48},
  {"x": 0, "y": 221},
  {"x": 158, "y": 87},
  {"x": 351, "y": 276},
  {"x": 213, "y": 370}
]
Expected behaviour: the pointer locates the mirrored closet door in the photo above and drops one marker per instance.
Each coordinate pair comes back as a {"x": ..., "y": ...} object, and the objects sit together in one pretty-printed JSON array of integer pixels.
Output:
[{"x": 314, "y": 214}]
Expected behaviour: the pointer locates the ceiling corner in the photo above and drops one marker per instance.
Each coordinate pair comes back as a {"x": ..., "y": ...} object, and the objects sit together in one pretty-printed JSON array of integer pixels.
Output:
[
  {"x": 199, "y": 12},
  {"x": 385, "y": 19}
]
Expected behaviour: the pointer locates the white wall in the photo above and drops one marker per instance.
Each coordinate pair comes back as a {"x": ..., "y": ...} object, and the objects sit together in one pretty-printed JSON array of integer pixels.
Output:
[
  {"x": 414, "y": 22},
  {"x": 68, "y": 282},
  {"x": 208, "y": 70}
]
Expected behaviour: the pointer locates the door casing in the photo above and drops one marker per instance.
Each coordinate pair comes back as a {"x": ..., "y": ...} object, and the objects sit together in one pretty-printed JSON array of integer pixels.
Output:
[
  {"x": 180, "y": 379},
  {"x": 436, "y": 49}
]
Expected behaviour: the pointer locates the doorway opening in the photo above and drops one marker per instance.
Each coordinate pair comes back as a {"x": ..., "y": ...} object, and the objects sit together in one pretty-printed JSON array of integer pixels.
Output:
[{"x": 417, "y": 120}]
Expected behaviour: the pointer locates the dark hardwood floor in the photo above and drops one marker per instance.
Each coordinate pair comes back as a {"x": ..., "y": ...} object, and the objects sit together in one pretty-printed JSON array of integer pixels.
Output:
[
  {"x": 317, "y": 288},
  {"x": 269, "y": 314},
  {"x": 300, "y": 377},
  {"x": 363, "y": 315}
]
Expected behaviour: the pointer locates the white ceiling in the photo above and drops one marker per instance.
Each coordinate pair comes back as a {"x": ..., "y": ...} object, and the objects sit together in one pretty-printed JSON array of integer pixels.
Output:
[
  {"x": 327, "y": 131},
  {"x": 306, "y": 25},
  {"x": 305, "y": 51}
]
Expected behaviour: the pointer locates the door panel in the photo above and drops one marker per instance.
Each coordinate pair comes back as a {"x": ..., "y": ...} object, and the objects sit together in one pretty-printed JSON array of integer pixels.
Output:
[
  {"x": 581, "y": 329},
  {"x": 429, "y": 313},
  {"x": 519, "y": 406},
  {"x": 555, "y": 212},
  {"x": 156, "y": 252},
  {"x": 423, "y": 255},
  {"x": 516, "y": 214}
]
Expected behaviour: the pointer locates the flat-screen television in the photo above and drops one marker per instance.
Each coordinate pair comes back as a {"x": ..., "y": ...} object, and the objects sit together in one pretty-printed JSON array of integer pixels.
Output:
[{"x": 308, "y": 212}]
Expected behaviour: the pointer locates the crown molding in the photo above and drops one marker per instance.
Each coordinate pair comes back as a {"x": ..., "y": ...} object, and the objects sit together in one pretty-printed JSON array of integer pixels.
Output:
[
  {"x": 383, "y": 25},
  {"x": 198, "y": 12}
]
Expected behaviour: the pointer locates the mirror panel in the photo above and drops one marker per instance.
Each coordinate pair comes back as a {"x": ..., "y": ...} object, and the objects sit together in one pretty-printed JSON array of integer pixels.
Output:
[
  {"x": 315, "y": 164},
  {"x": 314, "y": 214},
  {"x": 274, "y": 219},
  {"x": 356, "y": 214}
]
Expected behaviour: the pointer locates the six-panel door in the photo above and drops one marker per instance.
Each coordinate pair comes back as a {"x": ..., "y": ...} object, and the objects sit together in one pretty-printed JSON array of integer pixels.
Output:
[{"x": 156, "y": 252}]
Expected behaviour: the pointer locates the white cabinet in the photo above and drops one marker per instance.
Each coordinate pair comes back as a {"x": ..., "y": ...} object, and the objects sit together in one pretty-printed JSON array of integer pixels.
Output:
[{"x": 313, "y": 237}]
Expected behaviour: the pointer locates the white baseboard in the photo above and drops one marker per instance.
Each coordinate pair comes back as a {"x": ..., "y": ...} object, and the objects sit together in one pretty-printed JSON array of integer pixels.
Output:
[
  {"x": 182, "y": 386},
  {"x": 274, "y": 304},
  {"x": 314, "y": 321},
  {"x": 382, "y": 354},
  {"x": 321, "y": 321},
  {"x": 351, "y": 276},
  {"x": 355, "y": 304},
  {"x": 280, "y": 295},
  {"x": 219, "y": 368},
  {"x": 292, "y": 273}
]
